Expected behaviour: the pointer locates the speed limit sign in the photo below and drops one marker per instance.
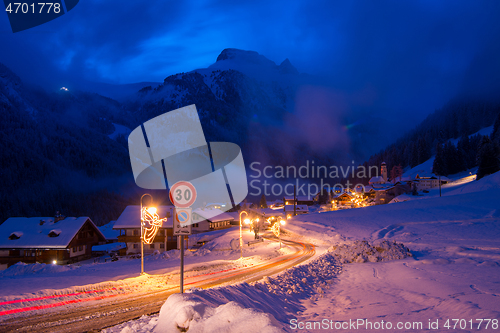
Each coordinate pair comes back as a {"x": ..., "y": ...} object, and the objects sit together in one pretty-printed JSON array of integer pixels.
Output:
[{"x": 183, "y": 194}]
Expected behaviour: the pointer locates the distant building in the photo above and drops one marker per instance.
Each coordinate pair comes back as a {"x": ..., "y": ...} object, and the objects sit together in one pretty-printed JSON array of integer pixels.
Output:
[
  {"x": 345, "y": 198},
  {"x": 425, "y": 183},
  {"x": 210, "y": 219},
  {"x": 385, "y": 193},
  {"x": 299, "y": 210},
  {"x": 382, "y": 179},
  {"x": 301, "y": 200},
  {"x": 47, "y": 240}
]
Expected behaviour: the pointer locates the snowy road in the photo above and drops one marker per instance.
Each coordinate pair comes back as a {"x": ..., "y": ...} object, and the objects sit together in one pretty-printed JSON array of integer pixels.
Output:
[{"x": 101, "y": 312}]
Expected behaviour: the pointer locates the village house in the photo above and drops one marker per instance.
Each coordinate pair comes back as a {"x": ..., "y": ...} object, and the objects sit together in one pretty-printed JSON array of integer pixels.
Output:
[
  {"x": 56, "y": 240},
  {"x": 345, "y": 198},
  {"x": 210, "y": 219},
  {"x": 425, "y": 183},
  {"x": 301, "y": 200},
  {"x": 299, "y": 210},
  {"x": 385, "y": 193},
  {"x": 129, "y": 226}
]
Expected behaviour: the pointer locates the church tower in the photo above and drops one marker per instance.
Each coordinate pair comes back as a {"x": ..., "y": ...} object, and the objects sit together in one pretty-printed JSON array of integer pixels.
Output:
[{"x": 383, "y": 171}]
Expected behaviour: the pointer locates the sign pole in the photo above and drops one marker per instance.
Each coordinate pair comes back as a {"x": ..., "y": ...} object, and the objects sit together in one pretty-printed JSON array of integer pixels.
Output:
[
  {"x": 182, "y": 264},
  {"x": 182, "y": 195}
]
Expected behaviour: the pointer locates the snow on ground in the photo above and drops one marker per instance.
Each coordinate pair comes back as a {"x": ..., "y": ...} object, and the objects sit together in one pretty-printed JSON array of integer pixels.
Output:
[
  {"x": 453, "y": 272},
  {"x": 264, "y": 306},
  {"x": 425, "y": 169}
]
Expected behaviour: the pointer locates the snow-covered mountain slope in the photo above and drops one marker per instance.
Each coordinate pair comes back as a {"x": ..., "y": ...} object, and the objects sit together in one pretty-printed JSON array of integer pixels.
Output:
[{"x": 425, "y": 169}]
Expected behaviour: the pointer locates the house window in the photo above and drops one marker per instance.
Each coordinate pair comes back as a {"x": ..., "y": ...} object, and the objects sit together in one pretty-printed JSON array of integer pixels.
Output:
[
  {"x": 80, "y": 248},
  {"x": 136, "y": 246},
  {"x": 74, "y": 249},
  {"x": 151, "y": 246},
  {"x": 162, "y": 245},
  {"x": 136, "y": 232}
]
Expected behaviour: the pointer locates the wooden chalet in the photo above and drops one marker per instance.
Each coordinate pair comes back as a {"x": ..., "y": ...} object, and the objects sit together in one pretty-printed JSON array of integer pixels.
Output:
[{"x": 56, "y": 240}]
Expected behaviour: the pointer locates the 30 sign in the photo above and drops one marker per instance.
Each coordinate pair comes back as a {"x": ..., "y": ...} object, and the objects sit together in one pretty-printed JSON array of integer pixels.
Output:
[{"x": 183, "y": 194}]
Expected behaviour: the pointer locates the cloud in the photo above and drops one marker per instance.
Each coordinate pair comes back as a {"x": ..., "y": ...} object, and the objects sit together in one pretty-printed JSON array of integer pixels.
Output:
[{"x": 413, "y": 55}]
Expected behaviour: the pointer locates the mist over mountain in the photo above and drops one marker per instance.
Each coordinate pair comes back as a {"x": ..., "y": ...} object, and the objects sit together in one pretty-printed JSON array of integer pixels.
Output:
[
  {"x": 67, "y": 150},
  {"x": 269, "y": 110}
]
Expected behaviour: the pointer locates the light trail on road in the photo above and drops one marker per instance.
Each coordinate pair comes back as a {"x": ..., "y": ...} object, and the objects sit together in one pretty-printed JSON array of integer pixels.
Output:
[{"x": 109, "y": 310}]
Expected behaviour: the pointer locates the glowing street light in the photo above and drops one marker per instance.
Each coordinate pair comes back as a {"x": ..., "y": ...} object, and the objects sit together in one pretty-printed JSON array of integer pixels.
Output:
[{"x": 241, "y": 232}]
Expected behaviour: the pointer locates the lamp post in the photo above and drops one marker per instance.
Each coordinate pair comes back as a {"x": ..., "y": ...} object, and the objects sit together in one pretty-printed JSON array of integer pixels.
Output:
[
  {"x": 142, "y": 232},
  {"x": 282, "y": 222},
  {"x": 241, "y": 233}
]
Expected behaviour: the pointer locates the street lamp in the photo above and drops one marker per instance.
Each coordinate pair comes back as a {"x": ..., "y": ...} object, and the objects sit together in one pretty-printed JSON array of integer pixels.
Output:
[
  {"x": 151, "y": 210},
  {"x": 277, "y": 229},
  {"x": 241, "y": 233},
  {"x": 282, "y": 222}
]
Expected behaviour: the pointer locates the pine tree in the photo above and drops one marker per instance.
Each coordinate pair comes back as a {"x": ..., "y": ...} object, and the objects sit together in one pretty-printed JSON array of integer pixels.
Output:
[
  {"x": 263, "y": 201},
  {"x": 439, "y": 167},
  {"x": 413, "y": 156},
  {"x": 488, "y": 158},
  {"x": 495, "y": 134},
  {"x": 423, "y": 151}
]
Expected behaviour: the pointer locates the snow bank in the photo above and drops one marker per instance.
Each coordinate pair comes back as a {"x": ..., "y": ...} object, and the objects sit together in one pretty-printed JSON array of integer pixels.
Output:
[
  {"x": 182, "y": 312},
  {"x": 362, "y": 251}
]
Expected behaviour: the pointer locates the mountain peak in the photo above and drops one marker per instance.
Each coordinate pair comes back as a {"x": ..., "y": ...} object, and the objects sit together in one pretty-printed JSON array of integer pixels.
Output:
[
  {"x": 243, "y": 56},
  {"x": 286, "y": 67}
]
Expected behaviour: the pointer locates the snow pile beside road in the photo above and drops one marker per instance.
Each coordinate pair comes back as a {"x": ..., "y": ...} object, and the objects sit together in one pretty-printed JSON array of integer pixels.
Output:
[
  {"x": 304, "y": 280},
  {"x": 262, "y": 307},
  {"x": 182, "y": 312},
  {"x": 362, "y": 251}
]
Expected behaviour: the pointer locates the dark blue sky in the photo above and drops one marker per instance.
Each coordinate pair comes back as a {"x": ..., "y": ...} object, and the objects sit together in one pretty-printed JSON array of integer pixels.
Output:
[{"x": 412, "y": 56}]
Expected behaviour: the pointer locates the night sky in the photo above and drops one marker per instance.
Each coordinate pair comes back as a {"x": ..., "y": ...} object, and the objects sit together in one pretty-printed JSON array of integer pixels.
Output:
[{"x": 407, "y": 56}]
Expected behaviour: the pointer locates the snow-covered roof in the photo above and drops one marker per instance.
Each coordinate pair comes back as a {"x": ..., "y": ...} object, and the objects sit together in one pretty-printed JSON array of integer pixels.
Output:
[
  {"x": 383, "y": 187},
  {"x": 378, "y": 179},
  {"x": 299, "y": 208},
  {"x": 40, "y": 232},
  {"x": 343, "y": 193},
  {"x": 131, "y": 217},
  {"x": 212, "y": 215}
]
